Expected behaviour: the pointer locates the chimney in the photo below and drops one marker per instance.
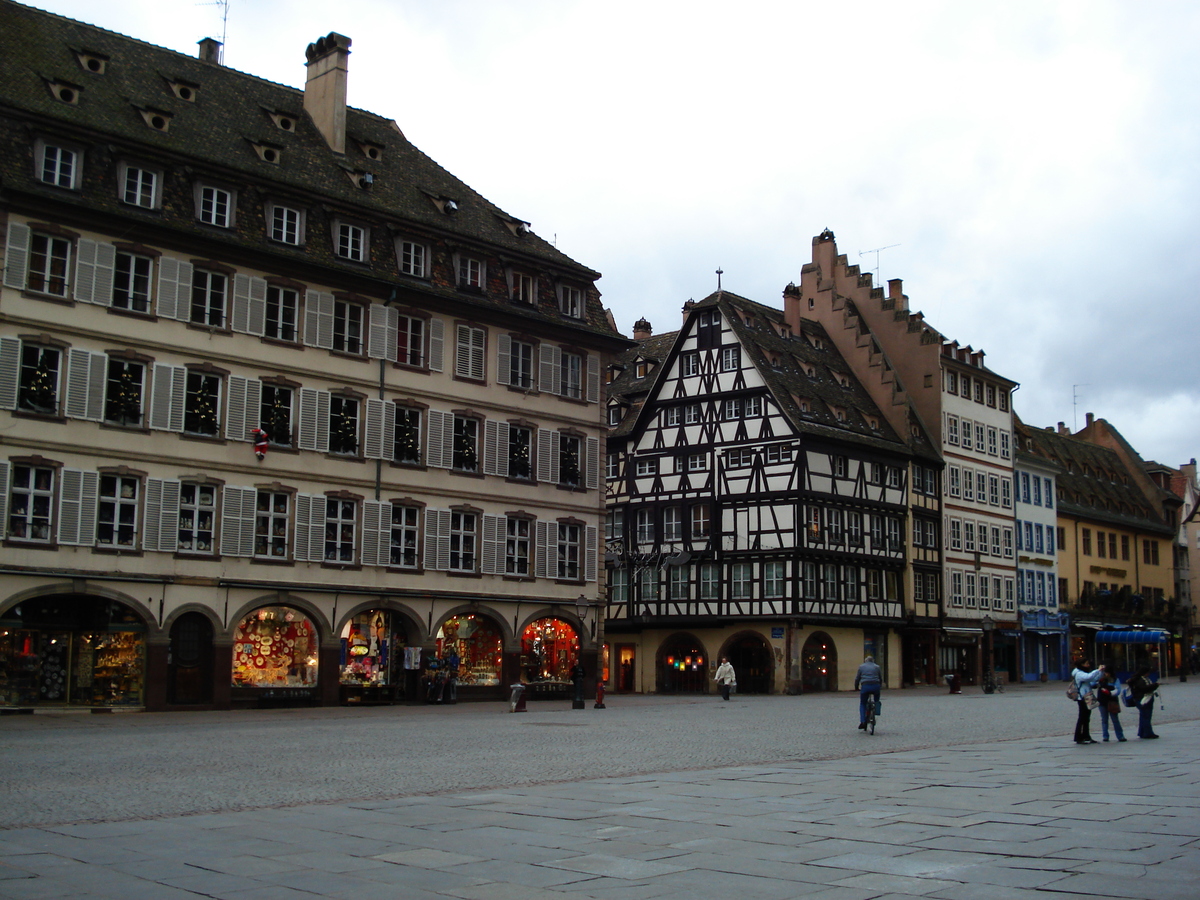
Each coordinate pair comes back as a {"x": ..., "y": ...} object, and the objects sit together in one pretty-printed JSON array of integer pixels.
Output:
[
  {"x": 210, "y": 51},
  {"x": 642, "y": 330},
  {"x": 325, "y": 89},
  {"x": 1089, "y": 418},
  {"x": 1062, "y": 428}
]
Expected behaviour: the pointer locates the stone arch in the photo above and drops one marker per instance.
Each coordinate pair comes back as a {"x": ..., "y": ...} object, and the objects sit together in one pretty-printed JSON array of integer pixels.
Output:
[
  {"x": 674, "y": 674},
  {"x": 412, "y": 621},
  {"x": 311, "y": 610},
  {"x": 819, "y": 663},
  {"x": 99, "y": 590},
  {"x": 753, "y": 662}
]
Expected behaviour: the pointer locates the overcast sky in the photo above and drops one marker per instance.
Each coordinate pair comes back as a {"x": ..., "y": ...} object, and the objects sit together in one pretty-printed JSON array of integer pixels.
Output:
[{"x": 1032, "y": 167}]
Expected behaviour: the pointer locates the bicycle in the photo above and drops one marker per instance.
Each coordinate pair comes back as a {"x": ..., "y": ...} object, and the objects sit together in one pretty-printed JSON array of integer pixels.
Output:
[
  {"x": 990, "y": 684},
  {"x": 872, "y": 712}
]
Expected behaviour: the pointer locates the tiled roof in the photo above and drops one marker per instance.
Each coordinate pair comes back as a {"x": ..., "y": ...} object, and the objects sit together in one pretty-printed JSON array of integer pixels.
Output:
[
  {"x": 214, "y": 135},
  {"x": 627, "y": 387},
  {"x": 1094, "y": 483}
]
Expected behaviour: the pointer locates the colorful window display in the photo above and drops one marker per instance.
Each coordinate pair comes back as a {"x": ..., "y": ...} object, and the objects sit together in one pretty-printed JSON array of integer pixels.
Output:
[
  {"x": 72, "y": 650},
  {"x": 475, "y": 643},
  {"x": 373, "y": 649},
  {"x": 275, "y": 647},
  {"x": 549, "y": 650},
  {"x": 683, "y": 667}
]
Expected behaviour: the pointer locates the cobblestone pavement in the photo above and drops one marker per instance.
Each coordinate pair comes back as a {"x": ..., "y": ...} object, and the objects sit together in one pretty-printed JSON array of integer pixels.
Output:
[{"x": 966, "y": 796}]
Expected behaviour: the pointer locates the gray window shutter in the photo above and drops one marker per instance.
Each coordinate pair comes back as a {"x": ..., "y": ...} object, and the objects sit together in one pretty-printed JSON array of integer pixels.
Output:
[
  {"x": 543, "y": 553},
  {"x": 77, "y": 507},
  {"x": 555, "y": 450},
  {"x": 318, "y": 319},
  {"x": 503, "y": 358},
  {"x": 310, "y": 528},
  {"x": 550, "y": 369},
  {"x": 495, "y": 448},
  {"x": 591, "y": 464},
  {"x": 376, "y": 542},
  {"x": 174, "y": 289},
  {"x": 248, "y": 312},
  {"x": 544, "y": 454},
  {"x": 383, "y": 333},
  {"x": 380, "y": 438},
  {"x": 593, "y": 378},
  {"x": 245, "y": 403},
  {"x": 591, "y": 553},
  {"x": 4, "y": 466},
  {"x": 167, "y": 397},
  {"x": 437, "y": 344},
  {"x": 238, "y": 509},
  {"x": 16, "y": 260},
  {"x": 313, "y": 426},
  {"x": 160, "y": 525},
  {"x": 86, "y": 374},
  {"x": 495, "y": 532},
  {"x": 437, "y": 539},
  {"x": 441, "y": 439},
  {"x": 94, "y": 264},
  {"x": 10, "y": 370}
]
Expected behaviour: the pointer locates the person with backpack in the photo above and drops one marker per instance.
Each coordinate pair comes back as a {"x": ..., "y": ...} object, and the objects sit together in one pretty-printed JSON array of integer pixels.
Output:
[{"x": 1085, "y": 680}]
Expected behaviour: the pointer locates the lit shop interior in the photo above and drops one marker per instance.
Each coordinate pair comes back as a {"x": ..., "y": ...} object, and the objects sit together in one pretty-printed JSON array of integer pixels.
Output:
[{"x": 72, "y": 650}]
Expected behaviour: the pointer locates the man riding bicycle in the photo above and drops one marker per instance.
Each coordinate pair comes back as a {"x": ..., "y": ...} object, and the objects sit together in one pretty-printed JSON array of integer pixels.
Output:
[{"x": 867, "y": 681}]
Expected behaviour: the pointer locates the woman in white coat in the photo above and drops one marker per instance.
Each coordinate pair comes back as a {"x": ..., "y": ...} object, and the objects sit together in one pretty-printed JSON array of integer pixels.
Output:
[{"x": 725, "y": 677}]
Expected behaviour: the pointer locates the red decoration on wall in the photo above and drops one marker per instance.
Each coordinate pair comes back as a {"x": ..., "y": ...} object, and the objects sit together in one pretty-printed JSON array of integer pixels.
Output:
[{"x": 260, "y": 443}]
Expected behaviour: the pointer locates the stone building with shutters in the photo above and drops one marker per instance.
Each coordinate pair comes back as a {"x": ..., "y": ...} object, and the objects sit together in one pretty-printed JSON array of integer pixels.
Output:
[{"x": 291, "y": 415}]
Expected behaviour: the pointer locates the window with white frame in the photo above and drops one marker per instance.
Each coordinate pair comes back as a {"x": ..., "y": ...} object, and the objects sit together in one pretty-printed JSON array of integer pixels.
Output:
[
  {"x": 893, "y": 476},
  {"x": 38, "y": 381},
  {"x": 215, "y": 206},
  {"x": 646, "y": 466},
  {"x": 985, "y": 600},
  {"x": 614, "y": 525},
  {"x": 952, "y": 430},
  {"x": 117, "y": 511},
  {"x": 282, "y": 314},
  {"x": 753, "y": 407},
  {"x": 272, "y": 523},
  {"x": 1006, "y": 492},
  {"x": 516, "y": 547},
  {"x": 732, "y": 410},
  {"x": 470, "y": 273},
  {"x": 571, "y": 376},
  {"x": 679, "y": 582},
  {"x": 347, "y": 327},
  {"x": 49, "y": 265},
  {"x": 779, "y": 453},
  {"x": 570, "y": 536},
  {"x": 701, "y": 525},
  {"x": 774, "y": 580},
  {"x": 969, "y": 537},
  {"x": 286, "y": 225},
  {"x": 208, "y": 298},
  {"x": 689, "y": 364},
  {"x": 570, "y": 460},
  {"x": 520, "y": 452},
  {"x": 275, "y": 414},
  {"x": 731, "y": 358},
  {"x": 405, "y": 536},
  {"x": 618, "y": 586},
  {"x": 691, "y": 414},
  {"x": 520, "y": 366},
  {"x": 139, "y": 187},
  {"x": 994, "y": 490},
  {"x": 132, "y": 279},
  {"x": 124, "y": 393},
  {"x": 343, "y": 425},
  {"x": 648, "y": 584},
  {"x": 893, "y": 534},
  {"x": 809, "y": 580},
  {"x": 954, "y": 476},
  {"x": 996, "y": 544},
  {"x": 831, "y": 581},
  {"x": 523, "y": 288},
  {"x": 465, "y": 452},
  {"x": 469, "y": 352},
  {"x": 407, "y": 442},
  {"x": 969, "y": 589},
  {"x": 197, "y": 517},
  {"x": 202, "y": 403},
  {"x": 411, "y": 341},
  {"x": 570, "y": 301},
  {"x": 59, "y": 166},
  {"x": 645, "y": 526},
  {"x": 992, "y": 447},
  {"x": 412, "y": 259},
  {"x": 1049, "y": 493},
  {"x": 979, "y": 436},
  {"x": 351, "y": 242},
  {"x": 463, "y": 535},
  {"x": 31, "y": 504},
  {"x": 697, "y": 462},
  {"x": 341, "y": 526},
  {"x": 956, "y": 534},
  {"x": 968, "y": 490},
  {"x": 741, "y": 581},
  {"x": 672, "y": 524}
]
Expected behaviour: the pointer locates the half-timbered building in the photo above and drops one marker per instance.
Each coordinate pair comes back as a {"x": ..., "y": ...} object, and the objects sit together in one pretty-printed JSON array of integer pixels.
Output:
[{"x": 757, "y": 508}]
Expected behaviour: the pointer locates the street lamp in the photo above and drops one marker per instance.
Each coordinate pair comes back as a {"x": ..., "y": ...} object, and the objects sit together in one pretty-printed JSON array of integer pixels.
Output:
[{"x": 582, "y": 605}]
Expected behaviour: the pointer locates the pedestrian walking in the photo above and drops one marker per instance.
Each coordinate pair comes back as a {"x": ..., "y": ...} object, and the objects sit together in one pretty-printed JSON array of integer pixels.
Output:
[
  {"x": 1144, "y": 691},
  {"x": 1109, "y": 692},
  {"x": 867, "y": 681},
  {"x": 726, "y": 677},
  {"x": 1085, "y": 683}
]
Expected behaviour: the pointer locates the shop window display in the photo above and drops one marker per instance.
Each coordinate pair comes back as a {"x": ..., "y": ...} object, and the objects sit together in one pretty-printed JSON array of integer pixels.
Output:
[
  {"x": 71, "y": 650},
  {"x": 683, "y": 667},
  {"x": 374, "y": 650},
  {"x": 549, "y": 650},
  {"x": 470, "y": 649},
  {"x": 276, "y": 647}
]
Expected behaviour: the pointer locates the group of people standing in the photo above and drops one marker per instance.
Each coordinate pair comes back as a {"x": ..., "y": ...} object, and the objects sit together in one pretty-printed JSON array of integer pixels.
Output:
[{"x": 1100, "y": 689}]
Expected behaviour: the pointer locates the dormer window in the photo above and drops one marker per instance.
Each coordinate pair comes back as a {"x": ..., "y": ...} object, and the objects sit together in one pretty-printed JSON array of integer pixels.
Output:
[
  {"x": 96, "y": 63},
  {"x": 523, "y": 287},
  {"x": 809, "y": 370},
  {"x": 412, "y": 258},
  {"x": 283, "y": 121},
  {"x": 470, "y": 272},
  {"x": 872, "y": 423},
  {"x": 841, "y": 379},
  {"x": 155, "y": 118},
  {"x": 570, "y": 301},
  {"x": 370, "y": 150},
  {"x": 184, "y": 90},
  {"x": 268, "y": 153},
  {"x": 65, "y": 92},
  {"x": 838, "y": 413},
  {"x": 643, "y": 368}
]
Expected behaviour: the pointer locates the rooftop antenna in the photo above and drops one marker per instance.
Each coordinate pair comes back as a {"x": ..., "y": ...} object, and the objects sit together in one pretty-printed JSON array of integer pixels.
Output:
[
  {"x": 1075, "y": 405},
  {"x": 720, "y": 272},
  {"x": 224, "y": 4},
  {"x": 876, "y": 251}
]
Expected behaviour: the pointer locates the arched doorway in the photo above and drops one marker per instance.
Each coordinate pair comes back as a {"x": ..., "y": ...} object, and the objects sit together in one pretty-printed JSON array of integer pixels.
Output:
[
  {"x": 818, "y": 664},
  {"x": 190, "y": 660},
  {"x": 378, "y": 664},
  {"x": 72, "y": 650},
  {"x": 752, "y": 663},
  {"x": 682, "y": 666},
  {"x": 275, "y": 658},
  {"x": 469, "y": 658}
]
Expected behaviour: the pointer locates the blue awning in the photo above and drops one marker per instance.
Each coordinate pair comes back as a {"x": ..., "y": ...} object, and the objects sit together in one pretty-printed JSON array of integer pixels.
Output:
[{"x": 1132, "y": 637}]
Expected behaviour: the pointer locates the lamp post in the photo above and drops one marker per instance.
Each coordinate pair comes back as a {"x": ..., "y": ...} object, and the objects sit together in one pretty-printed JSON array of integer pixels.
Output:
[{"x": 989, "y": 684}]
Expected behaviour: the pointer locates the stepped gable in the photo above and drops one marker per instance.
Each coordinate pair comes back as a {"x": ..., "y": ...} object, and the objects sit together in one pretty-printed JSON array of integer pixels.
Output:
[
  {"x": 1094, "y": 482},
  {"x": 805, "y": 368},
  {"x": 217, "y": 132},
  {"x": 627, "y": 387}
]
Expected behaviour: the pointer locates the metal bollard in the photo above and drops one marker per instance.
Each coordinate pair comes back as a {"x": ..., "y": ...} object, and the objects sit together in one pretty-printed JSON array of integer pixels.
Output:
[{"x": 516, "y": 703}]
